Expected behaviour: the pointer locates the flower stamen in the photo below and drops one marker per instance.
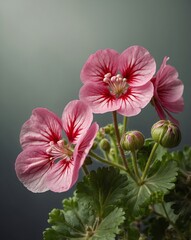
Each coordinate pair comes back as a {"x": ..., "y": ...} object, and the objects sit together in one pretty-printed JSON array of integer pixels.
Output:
[
  {"x": 59, "y": 150},
  {"x": 117, "y": 84}
]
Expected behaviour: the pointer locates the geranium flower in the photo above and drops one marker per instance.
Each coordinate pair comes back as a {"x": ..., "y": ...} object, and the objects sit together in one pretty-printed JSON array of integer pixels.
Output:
[
  {"x": 168, "y": 90},
  {"x": 127, "y": 92},
  {"x": 47, "y": 161}
]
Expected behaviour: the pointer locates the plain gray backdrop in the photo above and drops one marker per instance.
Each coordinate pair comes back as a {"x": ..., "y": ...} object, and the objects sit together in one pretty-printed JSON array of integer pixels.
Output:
[{"x": 43, "y": 46}]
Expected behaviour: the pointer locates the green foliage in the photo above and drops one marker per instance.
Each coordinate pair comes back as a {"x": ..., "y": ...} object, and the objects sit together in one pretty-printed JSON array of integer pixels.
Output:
[
  {"x": 108, "y": 205},
  {"x": 159, "y": 182},
  {"x": 104, "y": 189},
  {"x": 91, "y": 212}
]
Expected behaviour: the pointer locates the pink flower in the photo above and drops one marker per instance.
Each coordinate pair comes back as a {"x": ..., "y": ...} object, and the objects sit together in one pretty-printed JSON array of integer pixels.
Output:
[
  {"x": 168, "y": 90},
  {"x": 47, "y": 161},
  {"x": 106, "y": 90}
]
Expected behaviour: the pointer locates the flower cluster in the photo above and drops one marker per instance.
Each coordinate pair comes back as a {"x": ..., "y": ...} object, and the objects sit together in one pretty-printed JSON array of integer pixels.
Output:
[{"x": 112, "y": 82}]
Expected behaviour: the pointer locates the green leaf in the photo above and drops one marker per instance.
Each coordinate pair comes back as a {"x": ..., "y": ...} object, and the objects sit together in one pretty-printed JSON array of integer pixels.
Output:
[
  {"x": 104, "y": 189},
  {"x": 71, "y": 222},
  {"x": 165, "y": 210},
  {"x": 108, "y": 228},
  {"x": 79, "y": 222},
  {"x": 160, "y": 181}
]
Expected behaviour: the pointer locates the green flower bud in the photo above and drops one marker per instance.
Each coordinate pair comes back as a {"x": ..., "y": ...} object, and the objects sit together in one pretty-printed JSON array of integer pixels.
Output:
[
  {"x": 105, "y": 145},
  {"x": 166, "y": 133},
  {"x": 132, "y": 140}
]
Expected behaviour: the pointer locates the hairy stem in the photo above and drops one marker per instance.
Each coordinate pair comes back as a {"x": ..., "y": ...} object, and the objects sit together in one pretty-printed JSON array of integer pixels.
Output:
[
  {"x": 149, "y": 162},
  {"x": 120, "y": 148},
  {"x": 124, "y": 124},
  {"x": 135, "y": 166},
  {"x": 118, "y": 139},
  {"x": 85, "y": 170},
  {"x": 100, "y": 159}
]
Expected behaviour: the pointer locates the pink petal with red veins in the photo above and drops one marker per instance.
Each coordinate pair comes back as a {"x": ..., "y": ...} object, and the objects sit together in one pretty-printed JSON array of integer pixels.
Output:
[
  {"x": 99, "y": 98},
  {"x": 176, "y": 107},
  {"x": 167, "y": 85},
  {"x": 31, "y": 166},
  {"x": 42, "y": 127},
  {"x": 171, "y": 91},
  {"x": 99, "y": 64},
  {"x": 159, "y": 110},
  {"x": 84, "y": 145},
  {"x": 64, "y": 174},
  {"x": 59, "y": 179},
  {"x": 137, "y": 65},
  {"x": 135, "y": 99},
  {"x": 76, "y": 119}
]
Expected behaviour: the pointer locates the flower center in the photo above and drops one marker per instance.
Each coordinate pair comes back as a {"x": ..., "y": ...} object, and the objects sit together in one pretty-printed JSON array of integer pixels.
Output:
[
  {"x": 117, "y": 84},
  {"x": 59, "y": 150}
]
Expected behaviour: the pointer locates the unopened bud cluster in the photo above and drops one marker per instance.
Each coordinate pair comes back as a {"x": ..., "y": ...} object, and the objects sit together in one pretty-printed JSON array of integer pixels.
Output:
[
  {"x": 132, "y": 140},
  {"x": 166, "y": 133}
]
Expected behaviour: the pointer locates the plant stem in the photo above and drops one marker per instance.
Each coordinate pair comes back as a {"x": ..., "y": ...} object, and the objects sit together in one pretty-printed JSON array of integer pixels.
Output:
[
  {"x": 100, "y": 159},
  {"x": 120, "y": 148},
  {"x": 149, "y": 162},
  {"x": 85, "y": 170},
  {"x": 134, "y": 162},
  {"x": 118, "y": 140},
  {"x": 124, "y": 124}
]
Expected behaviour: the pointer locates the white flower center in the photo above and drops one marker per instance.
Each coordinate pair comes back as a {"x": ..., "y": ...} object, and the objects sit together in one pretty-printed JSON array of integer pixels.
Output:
[
  {"x": 59, "y": 150},
  {"x": 117, "y": 84}
]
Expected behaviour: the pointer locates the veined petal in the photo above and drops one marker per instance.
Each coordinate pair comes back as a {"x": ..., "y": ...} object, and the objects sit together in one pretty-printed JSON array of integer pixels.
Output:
[
  {"x": 76, "y": 119},
  {"x": 167, "y": 85},
  {"x": 99, "y": 64},
  {"x": 159, "y": 109},
  {"x": 176, "y": 107},
  {"x": 170, "y": 92},
  {"x": 59, "y": 178},
  {"x": 137, "y": 65},
  {"x": 99, "y": 98},
  {"x": 42, "y": 127},
  {"x": 84, "y": 145},
  {"x": 64, "y": 174},
  {"x": 31, "y": 166},
  {"x": 135, "y": 99}
]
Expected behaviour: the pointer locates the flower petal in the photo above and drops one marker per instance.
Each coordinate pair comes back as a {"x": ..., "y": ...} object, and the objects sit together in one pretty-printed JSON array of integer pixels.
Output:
[
  {"x": 167, "y": 85},
  {"x": 137, "y": 65},
  {"x": 99, "y": 98},
  {"x": 59, "y": 178},
  {"x": 135, "y": 99},
  {"x": 84, "y": 145},
  {"x": 76, "y": 119},
  {"x": 42, "y": 127},
  {"x": 176, "y": 107},
  {"x": 64, "y": 174},
  {"x": 99, "y": 64},
  {"x": 31, "y": 166}
]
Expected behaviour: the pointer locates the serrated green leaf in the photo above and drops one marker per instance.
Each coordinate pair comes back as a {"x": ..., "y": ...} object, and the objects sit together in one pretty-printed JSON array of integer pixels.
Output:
[
  {"x": 160, "y": 181},
  {"x": 109, "y": 226},
  {"x": 79, "y": 221},
  {"x": 70, "y": 223},
  {"x": 51, "y": 234},
  {"x": 104, "y": 188},
  {"x": 166, "y": 211}
]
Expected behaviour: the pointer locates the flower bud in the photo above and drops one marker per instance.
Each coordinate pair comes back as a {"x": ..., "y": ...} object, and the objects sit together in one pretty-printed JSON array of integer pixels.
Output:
[
  {"x": 166, "y": 133},
  {"x": 105, "y": 145},
  {"x": 132, "y": 140}
]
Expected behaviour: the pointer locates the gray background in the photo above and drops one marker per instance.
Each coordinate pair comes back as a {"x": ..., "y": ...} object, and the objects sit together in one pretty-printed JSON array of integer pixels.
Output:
[{"x": 43, "y": 46}]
